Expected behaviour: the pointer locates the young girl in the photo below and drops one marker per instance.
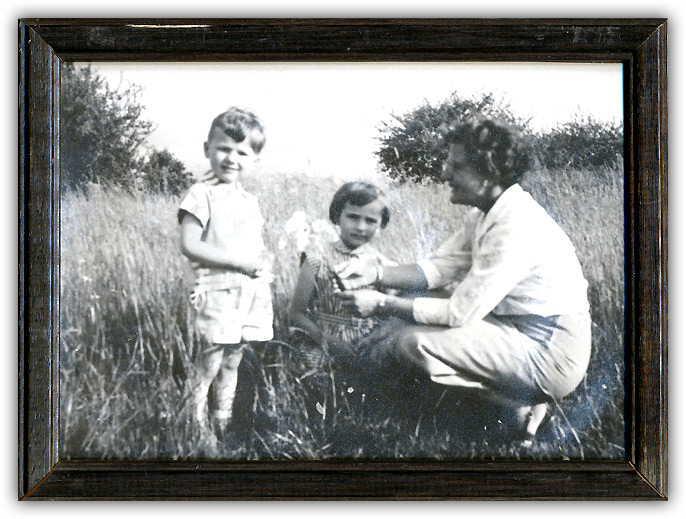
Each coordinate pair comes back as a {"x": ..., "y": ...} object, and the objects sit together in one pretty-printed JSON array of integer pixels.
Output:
[{"x": 319, "y": 321}]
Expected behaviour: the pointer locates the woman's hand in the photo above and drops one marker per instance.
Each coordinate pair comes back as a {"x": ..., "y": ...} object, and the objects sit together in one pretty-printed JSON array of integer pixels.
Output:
[
  {"x": 366, "y": 302},
  {"x": 358, "y": 273}
]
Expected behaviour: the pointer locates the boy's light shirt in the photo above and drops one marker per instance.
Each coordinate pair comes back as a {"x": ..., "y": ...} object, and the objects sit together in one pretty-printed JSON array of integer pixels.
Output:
[
  {"x": 231, "y": 218},
  {"x": 513, "y": 260}
]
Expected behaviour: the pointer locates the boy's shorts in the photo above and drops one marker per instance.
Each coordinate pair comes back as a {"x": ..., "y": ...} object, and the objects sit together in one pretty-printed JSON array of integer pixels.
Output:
[{"x": 234, "y": 315}]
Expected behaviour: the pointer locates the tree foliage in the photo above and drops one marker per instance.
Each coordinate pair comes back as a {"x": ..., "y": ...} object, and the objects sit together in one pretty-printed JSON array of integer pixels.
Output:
[
  {"x": 411, "y": 146},
  {"x": 583, "y": 142},
  {"x": 164, "y": 173},
  {"x": 103, "y": 137}
]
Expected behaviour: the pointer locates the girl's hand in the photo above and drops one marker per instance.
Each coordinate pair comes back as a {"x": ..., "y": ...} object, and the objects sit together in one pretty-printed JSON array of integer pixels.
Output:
[
  {"x": 366, "y": 302},
  {"x": 358, "y": 273}
]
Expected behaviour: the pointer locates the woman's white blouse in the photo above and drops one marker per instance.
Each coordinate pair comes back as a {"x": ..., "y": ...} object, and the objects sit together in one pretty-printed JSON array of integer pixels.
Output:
[{"x": 512, "y": 260}]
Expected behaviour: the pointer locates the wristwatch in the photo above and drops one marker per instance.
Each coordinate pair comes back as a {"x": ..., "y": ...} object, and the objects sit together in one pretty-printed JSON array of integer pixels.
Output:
[
  {"x": 382, "y": 303},
  {"x": 379, "y": 274}
]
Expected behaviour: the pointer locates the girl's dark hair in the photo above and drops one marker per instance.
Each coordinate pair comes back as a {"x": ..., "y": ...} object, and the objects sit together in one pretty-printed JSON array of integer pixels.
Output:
[
  {"x": 496, "y": 148},
  {"x": 357, "y": 194},
  {"x": 240, "y": 124}
]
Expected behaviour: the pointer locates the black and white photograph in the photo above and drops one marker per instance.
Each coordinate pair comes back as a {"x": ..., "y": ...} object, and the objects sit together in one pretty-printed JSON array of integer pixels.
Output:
[{"x": 342, "y": 261}]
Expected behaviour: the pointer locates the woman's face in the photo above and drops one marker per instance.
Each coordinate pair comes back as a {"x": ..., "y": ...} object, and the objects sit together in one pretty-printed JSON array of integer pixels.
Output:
[
  {"x": 468, "y": 186},
  {"x": 359, "y": 223}
]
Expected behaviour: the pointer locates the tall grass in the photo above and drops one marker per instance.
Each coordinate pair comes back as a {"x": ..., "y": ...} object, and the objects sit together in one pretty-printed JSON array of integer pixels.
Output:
[
  {"x": 589, "y": 206},
  {"x": 127, "y": 344}
]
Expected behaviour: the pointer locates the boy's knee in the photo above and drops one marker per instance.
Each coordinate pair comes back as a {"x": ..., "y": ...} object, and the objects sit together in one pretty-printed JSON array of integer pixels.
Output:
[
  {"x": 208, "y": 363},
  {"x": 232, "y": 359}
]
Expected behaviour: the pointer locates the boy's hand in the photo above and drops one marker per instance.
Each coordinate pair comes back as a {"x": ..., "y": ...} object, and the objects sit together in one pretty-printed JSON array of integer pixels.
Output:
[{"x": 263, "y": 268}]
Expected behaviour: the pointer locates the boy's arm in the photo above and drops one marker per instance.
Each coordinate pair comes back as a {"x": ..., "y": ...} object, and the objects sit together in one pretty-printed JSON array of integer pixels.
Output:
[
  {"x": 301, "y": 301},
  {"x": 208, "y": 255}
]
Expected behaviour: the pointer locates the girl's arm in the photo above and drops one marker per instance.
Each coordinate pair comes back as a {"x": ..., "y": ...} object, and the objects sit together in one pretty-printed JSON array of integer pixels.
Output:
[
  {"x": 208, "y": 255},
  {"x": 301, "y": 301}
]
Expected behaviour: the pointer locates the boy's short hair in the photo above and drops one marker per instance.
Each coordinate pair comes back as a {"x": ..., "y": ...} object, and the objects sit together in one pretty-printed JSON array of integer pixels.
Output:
[
  {"x": 357, "y": 194},
  {"x": 240, "y": 124}
]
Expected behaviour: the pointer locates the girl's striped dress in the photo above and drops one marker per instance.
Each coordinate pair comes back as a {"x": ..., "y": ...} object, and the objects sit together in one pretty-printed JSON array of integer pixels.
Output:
[{"x": 341, "y": 327}]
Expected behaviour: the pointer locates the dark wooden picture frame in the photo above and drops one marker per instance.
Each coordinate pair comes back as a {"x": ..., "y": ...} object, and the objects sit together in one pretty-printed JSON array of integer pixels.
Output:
[{"x": 639, "y": 44}]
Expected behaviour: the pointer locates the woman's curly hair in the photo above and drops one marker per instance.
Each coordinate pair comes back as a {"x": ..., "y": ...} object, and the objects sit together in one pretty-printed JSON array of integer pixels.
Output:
[{"x": 496, "y": 148}]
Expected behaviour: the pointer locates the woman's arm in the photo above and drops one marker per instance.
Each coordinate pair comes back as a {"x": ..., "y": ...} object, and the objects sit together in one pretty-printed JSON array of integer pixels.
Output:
[
  {"x": 450, "y": 262},
  {"x": 398, "y": 306},
  {"x": 359, "y": 274},
  {"x": 302, "y": 298},
  {"x": 370, "y": 302},
  {"x": 506, "y": 256},
  {"x": 208, "y": 255},
  {"x": 405, "y": 277}
]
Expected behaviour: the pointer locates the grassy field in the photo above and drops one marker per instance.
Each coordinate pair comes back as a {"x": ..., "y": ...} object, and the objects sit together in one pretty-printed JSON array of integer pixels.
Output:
[{"x": 127, "y": 343}]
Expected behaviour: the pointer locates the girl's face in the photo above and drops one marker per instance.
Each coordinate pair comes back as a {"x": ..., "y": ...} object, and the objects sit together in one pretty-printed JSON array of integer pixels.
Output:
[
  {"x": 359, "y": 224},
  {"x": 468, "y": 187},
  {"x": 229, "y": 159}
]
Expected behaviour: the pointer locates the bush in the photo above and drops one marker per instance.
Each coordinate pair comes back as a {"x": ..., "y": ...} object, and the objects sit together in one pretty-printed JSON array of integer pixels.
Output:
[
  {"x": 103, "y": 138},
  {"x": 582, "y": 143},
  {"x": 163, "y": 173},
  {"x": 102, "y": 130},
  {"x": 411, "y": 147}
]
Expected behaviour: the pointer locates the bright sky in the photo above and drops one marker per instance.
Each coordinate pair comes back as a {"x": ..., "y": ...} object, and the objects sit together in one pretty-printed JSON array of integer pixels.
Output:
[{"x": 322, "y": 117}]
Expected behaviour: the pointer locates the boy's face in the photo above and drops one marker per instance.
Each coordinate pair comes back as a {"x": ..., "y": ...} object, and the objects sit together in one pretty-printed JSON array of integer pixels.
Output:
[{"x": 229, "y": 159}]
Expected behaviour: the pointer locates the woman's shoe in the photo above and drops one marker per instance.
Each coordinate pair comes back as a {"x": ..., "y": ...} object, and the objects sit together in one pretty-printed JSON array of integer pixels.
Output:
[{"x": 529, "y": 419}]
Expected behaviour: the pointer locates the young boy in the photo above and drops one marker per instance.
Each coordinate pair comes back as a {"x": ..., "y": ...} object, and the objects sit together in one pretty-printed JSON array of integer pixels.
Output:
[{"x": 221, "y": 233}]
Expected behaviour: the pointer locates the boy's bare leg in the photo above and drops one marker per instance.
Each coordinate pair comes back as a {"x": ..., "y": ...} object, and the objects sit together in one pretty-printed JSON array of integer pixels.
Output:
[
  {"x": 225, "y": 385},
  {"x": 208, "y": 366}
]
